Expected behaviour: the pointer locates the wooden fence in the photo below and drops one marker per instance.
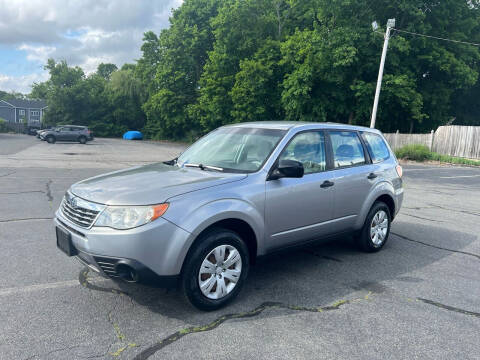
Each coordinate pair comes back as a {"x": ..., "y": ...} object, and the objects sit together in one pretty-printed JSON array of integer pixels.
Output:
[
  {"x": 462, "y": 141},
  {"x": 397, "y": 140},
  {"x": 454, "y": 140}
]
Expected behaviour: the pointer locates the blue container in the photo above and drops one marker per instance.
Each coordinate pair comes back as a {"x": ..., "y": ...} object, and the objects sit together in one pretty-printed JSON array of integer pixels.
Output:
[{"x": 133, "y": 135}]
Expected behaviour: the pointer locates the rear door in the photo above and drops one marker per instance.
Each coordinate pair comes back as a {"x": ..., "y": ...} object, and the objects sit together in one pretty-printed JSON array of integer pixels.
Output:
[
  {"x": 354, "y": 175},
  {"x": 299, "y": 209},
  {"x": 76, "y": 132}
]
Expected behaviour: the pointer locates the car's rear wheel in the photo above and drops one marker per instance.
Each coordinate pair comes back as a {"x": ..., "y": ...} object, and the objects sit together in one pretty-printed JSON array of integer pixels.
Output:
[
  {"x": 376, "y": 229},
  {"x": 215, "y": 269},
  {"x": 82, "y": 140},
  {"x": 51, "y": 139}
]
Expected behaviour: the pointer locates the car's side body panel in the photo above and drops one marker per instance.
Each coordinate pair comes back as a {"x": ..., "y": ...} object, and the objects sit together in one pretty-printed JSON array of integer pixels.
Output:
[{"x": 245, "y": 201}]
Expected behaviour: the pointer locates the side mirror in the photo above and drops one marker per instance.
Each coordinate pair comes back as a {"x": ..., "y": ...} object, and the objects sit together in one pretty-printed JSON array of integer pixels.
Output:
[{"x": 287, "y": 168}]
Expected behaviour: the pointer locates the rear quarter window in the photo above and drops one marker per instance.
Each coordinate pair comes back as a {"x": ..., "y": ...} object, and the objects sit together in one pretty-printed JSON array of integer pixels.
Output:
[{"x": 376, "y": 147}]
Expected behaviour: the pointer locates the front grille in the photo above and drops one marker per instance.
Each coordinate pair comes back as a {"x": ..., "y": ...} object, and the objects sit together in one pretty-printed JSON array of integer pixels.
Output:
[
  {"x": 107, "y": 265},
  {"x": 79, "y": 211}
]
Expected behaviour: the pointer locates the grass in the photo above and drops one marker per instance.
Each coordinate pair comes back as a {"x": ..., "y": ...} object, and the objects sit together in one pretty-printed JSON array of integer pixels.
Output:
[{"x": 421, "y": 153}]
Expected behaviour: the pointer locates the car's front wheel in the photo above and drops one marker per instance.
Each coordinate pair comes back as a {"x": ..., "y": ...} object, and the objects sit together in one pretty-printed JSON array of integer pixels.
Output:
[
  {"x": 215, "y": 269},
  {"x": 376, "y": 229}
]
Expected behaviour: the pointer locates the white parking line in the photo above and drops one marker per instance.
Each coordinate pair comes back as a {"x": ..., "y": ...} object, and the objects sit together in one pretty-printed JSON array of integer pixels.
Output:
[
  {"x": 439, "y": 168},
  {"x": 459, "y": 176},
  {"x": 39, "y": 287}
]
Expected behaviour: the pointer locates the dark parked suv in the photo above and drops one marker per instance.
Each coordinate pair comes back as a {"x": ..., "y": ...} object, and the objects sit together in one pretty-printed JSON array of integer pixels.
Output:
[{"x": 67, "y": 133}]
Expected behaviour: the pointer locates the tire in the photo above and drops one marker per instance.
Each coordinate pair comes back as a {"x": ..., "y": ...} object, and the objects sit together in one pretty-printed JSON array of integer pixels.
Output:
[
  {"x": 196, "y": 270},
  {"x": 366, "y": 239},
  {"x": 51, "y": 139},
  {"x": 82, "y": 140}
]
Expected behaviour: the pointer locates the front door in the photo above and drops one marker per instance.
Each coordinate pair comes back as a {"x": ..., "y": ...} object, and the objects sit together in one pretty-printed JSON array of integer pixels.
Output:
[
  {"x": 299, "y": 209},
  {"x": 62, "y": 133}
]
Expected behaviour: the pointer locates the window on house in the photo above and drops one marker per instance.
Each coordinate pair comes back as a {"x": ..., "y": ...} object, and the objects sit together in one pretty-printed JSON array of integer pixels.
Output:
[
  {"x": 21, "y": 112},
  {"x": 34, "y": 113}
]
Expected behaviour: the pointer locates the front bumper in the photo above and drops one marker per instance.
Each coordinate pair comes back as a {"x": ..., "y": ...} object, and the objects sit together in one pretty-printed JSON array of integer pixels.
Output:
[
  {"x": 156, "y": 250},
  {"x": 118, "y": 268}
]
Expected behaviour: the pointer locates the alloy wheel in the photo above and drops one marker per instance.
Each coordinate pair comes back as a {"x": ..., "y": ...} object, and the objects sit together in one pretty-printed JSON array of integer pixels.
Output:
[
  {"x": 220, "y": 272},
  {"x": 379, "y": 227}
]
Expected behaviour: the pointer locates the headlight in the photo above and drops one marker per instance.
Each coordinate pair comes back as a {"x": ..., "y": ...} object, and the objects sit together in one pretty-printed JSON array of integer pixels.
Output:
[{"x": 127, "y": 217}]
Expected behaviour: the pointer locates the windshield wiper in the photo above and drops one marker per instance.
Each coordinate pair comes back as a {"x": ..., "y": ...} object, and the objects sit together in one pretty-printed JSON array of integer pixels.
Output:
[{"x": 204, "y": 167}]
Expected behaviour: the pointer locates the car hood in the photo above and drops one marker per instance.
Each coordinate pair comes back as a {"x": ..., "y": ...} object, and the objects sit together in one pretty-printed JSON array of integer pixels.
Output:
[{"x": 149, "y": 184}]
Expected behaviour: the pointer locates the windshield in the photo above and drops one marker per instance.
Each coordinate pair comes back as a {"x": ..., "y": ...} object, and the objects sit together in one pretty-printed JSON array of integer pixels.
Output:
[{"x": 235, "y": 149}]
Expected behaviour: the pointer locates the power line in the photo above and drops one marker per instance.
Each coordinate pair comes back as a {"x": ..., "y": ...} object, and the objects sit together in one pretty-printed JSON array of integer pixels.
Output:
[{"x": 436, "y": 37}]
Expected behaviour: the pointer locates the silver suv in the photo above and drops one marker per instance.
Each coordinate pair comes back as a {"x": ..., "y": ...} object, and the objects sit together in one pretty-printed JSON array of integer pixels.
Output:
[
  {"x": 67, "y": 133},
  {"x": 240, "y": 192}
]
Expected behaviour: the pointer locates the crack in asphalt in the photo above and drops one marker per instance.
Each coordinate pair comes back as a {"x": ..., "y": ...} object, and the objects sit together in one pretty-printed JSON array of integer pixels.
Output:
[
  {"x": 170, "y": 339},
  {"x": 450, "y": 308},
  {"x": 455, "y": 210},
  {"x": 326, "y": 257},
  {"x": 52, "y": 351},
  {"x": 26, "y": 219},
  {"x": 49, "y": 191},
  {"x": 437, "y": 247},
  {"x": 149, "y": 351},
  {"x": 83, "y": 280},
  {"x": 420, "y": 217},
  {"x": 22, "y": 192},
  {"x": 120, "y": 337},
  {"x": 8, "y": 174}
]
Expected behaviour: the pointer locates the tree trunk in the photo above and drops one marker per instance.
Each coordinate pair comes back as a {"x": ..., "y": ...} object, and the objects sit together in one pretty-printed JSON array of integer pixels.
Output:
[
  {"x": 350, "y": 118},
  {"x": 411, "y": 126}
]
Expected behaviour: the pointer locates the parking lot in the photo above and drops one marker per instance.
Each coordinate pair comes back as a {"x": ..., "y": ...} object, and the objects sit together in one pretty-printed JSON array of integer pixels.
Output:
[{"x": 417, "y": 298}]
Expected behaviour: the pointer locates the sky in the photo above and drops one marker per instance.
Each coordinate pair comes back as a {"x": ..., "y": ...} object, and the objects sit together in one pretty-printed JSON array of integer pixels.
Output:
[{"x": 82, "y": 32}]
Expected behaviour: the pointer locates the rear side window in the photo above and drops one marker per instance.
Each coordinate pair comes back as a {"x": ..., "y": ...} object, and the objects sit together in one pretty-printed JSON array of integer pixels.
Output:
[
  {"x": 376, "y": 147},
  {"x": 347, "y": 149}
]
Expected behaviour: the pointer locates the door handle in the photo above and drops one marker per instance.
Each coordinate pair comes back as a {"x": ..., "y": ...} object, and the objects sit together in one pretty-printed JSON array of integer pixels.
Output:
[
  {"x": 371, "y": 176},
  {"x": 327, "y": 184}
]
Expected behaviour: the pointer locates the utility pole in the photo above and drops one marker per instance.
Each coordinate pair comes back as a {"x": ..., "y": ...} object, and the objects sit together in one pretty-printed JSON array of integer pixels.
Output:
[{"x": 390, "y": 25}]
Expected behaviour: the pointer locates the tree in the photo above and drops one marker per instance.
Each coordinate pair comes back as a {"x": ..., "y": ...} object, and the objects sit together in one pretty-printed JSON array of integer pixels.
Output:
[
  {"x": 171, "y": 67},
  {"x": 256, "y": 94},
  {"x": 313, "y": 60},
  {"x": 106, "y": 70}
]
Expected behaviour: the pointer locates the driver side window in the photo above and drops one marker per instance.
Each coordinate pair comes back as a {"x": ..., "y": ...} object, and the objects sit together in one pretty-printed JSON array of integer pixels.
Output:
[{"x": 309, "y": 149}]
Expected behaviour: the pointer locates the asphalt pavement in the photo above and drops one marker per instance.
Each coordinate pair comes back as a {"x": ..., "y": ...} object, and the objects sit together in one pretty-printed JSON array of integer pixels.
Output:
[{"x": 417, "y": 298}]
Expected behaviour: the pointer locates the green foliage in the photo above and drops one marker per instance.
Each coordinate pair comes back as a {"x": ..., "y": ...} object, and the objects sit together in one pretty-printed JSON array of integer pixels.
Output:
[
  {"x": 11, "y": 95},
  {"x": 313, "y": 60},
  {"x": 414, "y": 152},
  {"x": 420, "y": 153},
  {"x": 454, "y": 160},
  {"x": 3, "y": 126},
  {"x": 109, "y": 101},
  {"x": 106, "y": 70}
]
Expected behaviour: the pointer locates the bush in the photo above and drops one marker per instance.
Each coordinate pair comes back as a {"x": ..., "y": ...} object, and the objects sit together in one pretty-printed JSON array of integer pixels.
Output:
[
  {"x": 3, "y": 126},
  {"x": 453, "y": 160},
  {"x": 413, "y": 152},
  {"x": 418, "y": 152}
]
